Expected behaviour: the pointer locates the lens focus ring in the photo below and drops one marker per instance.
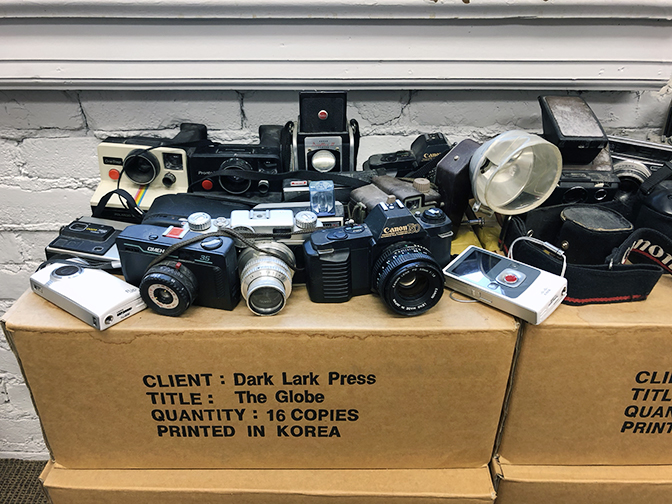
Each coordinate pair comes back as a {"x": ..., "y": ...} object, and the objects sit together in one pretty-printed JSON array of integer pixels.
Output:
[
  {"x": 408, "y": 278},
  {"x": 169, "y": 288}
]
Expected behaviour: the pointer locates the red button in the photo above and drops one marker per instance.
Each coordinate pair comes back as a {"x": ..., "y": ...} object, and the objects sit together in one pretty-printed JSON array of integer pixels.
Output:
[
  {"x": 207, "y": 184},
  {"x": 511, "y": 278},
  {"x": 114, "y": 174},
  {"x": 323, "y": 114}
]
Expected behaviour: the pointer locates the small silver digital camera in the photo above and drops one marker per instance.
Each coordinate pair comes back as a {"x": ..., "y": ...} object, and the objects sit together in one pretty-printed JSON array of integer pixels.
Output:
[
  {"x": 92, "y": 295},
  {"x": 509, "y": 285}
]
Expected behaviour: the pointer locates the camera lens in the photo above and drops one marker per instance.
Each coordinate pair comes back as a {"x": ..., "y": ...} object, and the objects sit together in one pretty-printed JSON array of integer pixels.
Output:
[
  {"x": 66, "y": 271},
  {"x": 408, "y": 278},
  {"x": 169, "y": 288},
  {"x": 141, "y": 166},
  {"x": 233, "y": 184},
  {"x": 266, "y": 280}
]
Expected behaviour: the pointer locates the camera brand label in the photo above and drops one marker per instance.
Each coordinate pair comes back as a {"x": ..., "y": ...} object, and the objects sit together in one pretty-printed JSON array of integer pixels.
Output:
[
  {"x": 158, "y": 250},
  {"x": 408, "y": 229}
]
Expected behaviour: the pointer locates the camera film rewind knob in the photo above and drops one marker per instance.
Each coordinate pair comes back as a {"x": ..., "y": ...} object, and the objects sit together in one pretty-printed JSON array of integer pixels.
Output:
[
  {"x": 199, "y": 221},
  {"x": 306, "y": 221},
  {"x": 422, "y": 184}
]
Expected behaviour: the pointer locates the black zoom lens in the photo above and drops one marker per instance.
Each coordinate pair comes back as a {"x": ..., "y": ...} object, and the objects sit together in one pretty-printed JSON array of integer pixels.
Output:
[
  {"x": 169, "y": 288},
  {"x": 408, "y": 278}
]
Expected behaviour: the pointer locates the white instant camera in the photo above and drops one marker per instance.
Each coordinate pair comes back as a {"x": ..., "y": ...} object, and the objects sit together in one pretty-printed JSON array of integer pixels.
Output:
[{"x": 93, "y": 296}]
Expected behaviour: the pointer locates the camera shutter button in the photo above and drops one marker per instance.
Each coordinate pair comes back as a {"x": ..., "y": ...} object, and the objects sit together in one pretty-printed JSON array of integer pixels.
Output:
[{"x": 211, "y": 243}]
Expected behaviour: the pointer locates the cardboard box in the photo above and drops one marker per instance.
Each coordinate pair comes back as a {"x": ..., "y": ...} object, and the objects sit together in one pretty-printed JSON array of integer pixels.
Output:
[
  {"x": 317, "y": 386},
  {"x": 238, "y": 486},
  {"x": 593, "y": 385},
  {"x": 529, "y": 484}
]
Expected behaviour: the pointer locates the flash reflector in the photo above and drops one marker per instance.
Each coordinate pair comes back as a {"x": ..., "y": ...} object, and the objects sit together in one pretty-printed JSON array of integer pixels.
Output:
[{"x": 514, "y": 172}]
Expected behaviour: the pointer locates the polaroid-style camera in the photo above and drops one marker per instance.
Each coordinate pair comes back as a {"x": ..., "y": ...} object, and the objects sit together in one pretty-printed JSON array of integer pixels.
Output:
[
  {"x": 392, "y": 253},
  {"x": 208, "y": 164},
  {"x": 92, "y": 295},
  {"x": 587, "y": 171},
  {"x": 204, "y": 272},
  {"x": 511, "y": 286},
  {"x": 323, "y": 139},
  {"x": 145, "y": 167}
]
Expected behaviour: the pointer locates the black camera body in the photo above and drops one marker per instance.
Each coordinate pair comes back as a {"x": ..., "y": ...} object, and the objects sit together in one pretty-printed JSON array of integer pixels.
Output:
[
  {"x": 88, "y": 238},
  {"x": 208, "y": 164},
  {"x": 203, "y": 273},
  {"x": 397, "y": 163},
  {"x": 323, "y": 139},
  {"x": 425, "y": 148},
  {"x": 587, "y": 170},
  {"x": 594, "y": 182},
  {"x": 392, "y": 253}
]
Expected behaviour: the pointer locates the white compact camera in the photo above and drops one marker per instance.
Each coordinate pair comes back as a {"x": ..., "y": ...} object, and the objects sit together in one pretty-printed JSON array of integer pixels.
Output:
[
  {"x": 93, "y": 296},
  {"x": 511, "y": 286}
]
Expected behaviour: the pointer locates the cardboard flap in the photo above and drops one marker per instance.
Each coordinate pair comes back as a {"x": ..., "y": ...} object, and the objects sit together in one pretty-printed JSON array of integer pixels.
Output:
[{"x": 454, "y": 485}]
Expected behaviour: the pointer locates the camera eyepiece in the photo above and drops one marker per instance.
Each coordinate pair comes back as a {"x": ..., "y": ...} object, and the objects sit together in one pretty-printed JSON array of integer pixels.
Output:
[
  {"x": 408, "y": 278},
  {"x": 141, "y": 166},
  {"x": 169, "y": 288}
]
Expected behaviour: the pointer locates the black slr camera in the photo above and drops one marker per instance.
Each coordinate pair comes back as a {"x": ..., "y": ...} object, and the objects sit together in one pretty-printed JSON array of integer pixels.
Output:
[
  {"x": 393, "y": 253},
  {"x": 203, "y": 272},
  {"x": 209, "y": 164}
]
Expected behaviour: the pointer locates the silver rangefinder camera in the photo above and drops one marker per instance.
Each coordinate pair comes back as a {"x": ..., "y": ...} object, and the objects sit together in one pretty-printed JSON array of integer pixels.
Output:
[{"x": 267, "y": 270}]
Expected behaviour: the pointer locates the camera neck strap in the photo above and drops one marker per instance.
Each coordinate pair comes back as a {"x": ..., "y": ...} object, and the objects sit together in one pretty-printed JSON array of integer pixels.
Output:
[
  {"x": 132, "y": 206},
  {"x": 610, "y": 282},
  {"x": 353, "y": 180}
]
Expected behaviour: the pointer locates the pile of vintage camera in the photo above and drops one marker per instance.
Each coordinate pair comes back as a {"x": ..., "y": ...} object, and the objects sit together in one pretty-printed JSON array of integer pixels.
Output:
[{"x": 192, "y": 221}]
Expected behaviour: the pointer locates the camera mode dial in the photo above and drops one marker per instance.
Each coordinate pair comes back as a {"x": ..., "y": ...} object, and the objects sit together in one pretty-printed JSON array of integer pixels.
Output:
[
  {"x": 306, "y": 221},
  {"x": 199, "y": 221}
]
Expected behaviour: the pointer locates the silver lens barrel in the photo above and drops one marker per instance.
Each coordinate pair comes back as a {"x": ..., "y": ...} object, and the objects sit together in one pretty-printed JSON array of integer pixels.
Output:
[{"x": 265, "y": 279}]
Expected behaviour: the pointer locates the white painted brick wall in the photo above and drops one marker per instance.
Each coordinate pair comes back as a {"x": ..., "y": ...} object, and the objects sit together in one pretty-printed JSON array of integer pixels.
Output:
[{"x": 49, "y": 169}]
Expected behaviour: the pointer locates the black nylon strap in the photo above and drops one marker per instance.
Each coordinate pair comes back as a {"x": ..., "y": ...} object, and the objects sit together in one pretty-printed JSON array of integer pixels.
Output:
[
  {"x": 356, "y": 179},
  {"x": 587, "y": 284},
  {"x": 132, "y": 205}
]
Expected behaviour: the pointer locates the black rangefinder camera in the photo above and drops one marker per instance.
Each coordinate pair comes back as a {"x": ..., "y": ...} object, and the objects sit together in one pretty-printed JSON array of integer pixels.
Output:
[
  {"x": 392, "y": 253},
  {"x": 203, "y": 273}
]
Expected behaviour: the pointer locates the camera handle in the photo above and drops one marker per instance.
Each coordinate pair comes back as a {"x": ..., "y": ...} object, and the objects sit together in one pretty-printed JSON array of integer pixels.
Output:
[{"x": 125, "y": 195}]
